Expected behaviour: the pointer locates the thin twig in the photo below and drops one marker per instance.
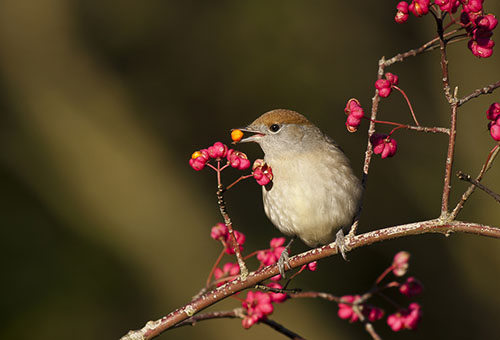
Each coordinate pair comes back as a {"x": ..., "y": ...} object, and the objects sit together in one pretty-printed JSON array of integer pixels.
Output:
[
  {"x": 428, "y": 46},
  {"x": 484, "y": 90},
  {"x": 467, "y": 178},
  {"x": 277, "y": 290},
  {"x": 449, "y": 161},
  {"x": 452, "y": 100},
  {"x": 237, "y": 313},
  {"x": 280, "y": 328},
  {"x": 229, "y": 224},
  {"x": 368, "y": 326},
  {"x": 229, "y": 314},
  {"x": 486, "y": 166},
  {"x": 312, "y": 294},
  {"x": 371, "y": 131}
]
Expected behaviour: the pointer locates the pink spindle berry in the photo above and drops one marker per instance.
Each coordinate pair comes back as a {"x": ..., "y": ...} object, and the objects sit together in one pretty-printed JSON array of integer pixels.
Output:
[
  {"x": 218, "y": 150},
  {"x": 493, "y": 111},
  {"x": 384, "y": 86},
  {"x": 229, "y": 270},
  {"x": 494, "y": 127},
  {"x": 373, "y": 313},
  {"x": 219, "y": 232},
  {"x": 392, "y": 78},
  {"x": 383, "y": 145},
  {"x": 487, "y": 22},
  {"x": 345, "y": 311},
  {"x": 270, "y": 256},
  {"x": 400, "y": 263},
  {"x": 262, "y": 172},
  {"x": 199, "y": 159},
  {"x": 405, "y": 318},
  {"x": 414, "y": 316},
  {"x": 238, "y": 159},
  {"x": 276, "y": 297},
  {"x": 481, "y": 48},
  {"x": 419, "y": 7},
  {"x": 412, "y": 287},
  {"x": 402, "y": 13},
  {"x": 472, "y": 5},
  {"x": 257, "y": 306},
  {"x": 450, "y": 6},
  {"x": 354, "y": 113},
  {"x": 479, "y": 27},
  {"x": 312, "y": 266}
]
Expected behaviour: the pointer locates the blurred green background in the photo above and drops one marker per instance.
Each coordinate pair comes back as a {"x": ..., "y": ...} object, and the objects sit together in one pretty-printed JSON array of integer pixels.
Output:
[{"x": 104, "y": 224}]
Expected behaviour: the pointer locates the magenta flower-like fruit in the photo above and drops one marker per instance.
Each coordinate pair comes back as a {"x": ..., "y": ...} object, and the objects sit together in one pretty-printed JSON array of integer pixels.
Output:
[{"x": 383, "y": 145}]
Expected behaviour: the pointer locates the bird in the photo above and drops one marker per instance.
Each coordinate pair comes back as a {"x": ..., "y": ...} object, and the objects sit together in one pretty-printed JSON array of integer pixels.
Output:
[{"x": 314, "y": 193}]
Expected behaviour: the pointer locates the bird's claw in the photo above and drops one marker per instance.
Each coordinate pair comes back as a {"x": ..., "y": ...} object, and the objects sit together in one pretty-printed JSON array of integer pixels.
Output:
[
  {"x": 283, "y": 259},
  {"x": 341, "y": 244}
]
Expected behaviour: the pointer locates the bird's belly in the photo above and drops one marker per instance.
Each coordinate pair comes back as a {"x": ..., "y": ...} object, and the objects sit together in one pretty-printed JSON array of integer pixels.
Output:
[{"x": 302, "y": 212}]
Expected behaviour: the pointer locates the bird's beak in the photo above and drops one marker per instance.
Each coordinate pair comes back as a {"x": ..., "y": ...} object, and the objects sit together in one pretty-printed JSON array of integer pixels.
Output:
[{"x": 255, "y": 137}]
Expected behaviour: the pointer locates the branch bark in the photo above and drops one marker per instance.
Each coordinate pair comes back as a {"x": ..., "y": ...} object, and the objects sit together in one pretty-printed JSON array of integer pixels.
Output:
[{"x": 155, "y": 328}]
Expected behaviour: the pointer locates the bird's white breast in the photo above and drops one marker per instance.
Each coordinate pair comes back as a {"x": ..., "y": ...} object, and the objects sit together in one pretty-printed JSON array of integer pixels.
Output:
[{"x": 312, "y": 195}]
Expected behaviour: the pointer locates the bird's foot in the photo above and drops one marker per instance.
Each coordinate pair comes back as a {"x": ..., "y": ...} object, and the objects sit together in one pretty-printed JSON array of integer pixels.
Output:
[
  {"x": 340, "y": 243},
  {"x": 283, "y": 259}
]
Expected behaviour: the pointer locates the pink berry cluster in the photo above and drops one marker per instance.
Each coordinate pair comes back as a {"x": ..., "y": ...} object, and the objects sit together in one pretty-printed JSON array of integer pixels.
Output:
[
  {"x": 383, "y": 144},
  {"x": 270, "y": 256},
  {"x": 407, "y": 318},
  {"x": 219, "y": 152},
  {"x": 493, "y": 114},
  {"x": 402, "y": 318},
  {"x": 228, "y": 273},
  {"x": 257, "y": 305},
  {"x": 346, "y": 310},
  {"x": 220, "y": 232},
  {"x": 479, "y": 26},
  {"x": 385, "y": 86}
]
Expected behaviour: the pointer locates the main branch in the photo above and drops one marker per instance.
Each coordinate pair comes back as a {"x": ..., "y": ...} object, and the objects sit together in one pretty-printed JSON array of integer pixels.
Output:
[{"x": 155, "y": 328}]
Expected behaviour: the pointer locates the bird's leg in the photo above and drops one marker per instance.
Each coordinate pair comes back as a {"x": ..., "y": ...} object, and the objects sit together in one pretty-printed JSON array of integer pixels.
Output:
[
  {"x": 340, "y": 243},
  {"x": 284, "y": 258}
]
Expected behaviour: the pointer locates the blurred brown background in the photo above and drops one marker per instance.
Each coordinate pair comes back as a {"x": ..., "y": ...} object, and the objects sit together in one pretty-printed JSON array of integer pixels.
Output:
[{"x": 104, "y": 224}]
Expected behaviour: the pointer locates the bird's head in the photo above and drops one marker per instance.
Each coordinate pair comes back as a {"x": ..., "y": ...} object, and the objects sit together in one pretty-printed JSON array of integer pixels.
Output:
[{"x": 281, "y": 131}]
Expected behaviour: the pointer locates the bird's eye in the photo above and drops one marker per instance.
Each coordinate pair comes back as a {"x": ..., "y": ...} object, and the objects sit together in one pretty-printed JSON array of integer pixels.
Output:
[{"x": 275, "y": 128}]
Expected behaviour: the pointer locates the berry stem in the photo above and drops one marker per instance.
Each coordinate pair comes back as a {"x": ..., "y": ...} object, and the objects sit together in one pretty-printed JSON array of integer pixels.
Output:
[
  {"x": 408, "y": 102},
  {"x": 384, "y": 274},
  {"x": 251, "y": 254},
  {"x": 219, "y": 258},
  {"x": 238, "y": 180}
]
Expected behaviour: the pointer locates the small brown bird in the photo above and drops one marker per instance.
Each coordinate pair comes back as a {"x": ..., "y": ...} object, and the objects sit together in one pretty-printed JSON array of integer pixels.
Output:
[{"x": 314, "y": 192}]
